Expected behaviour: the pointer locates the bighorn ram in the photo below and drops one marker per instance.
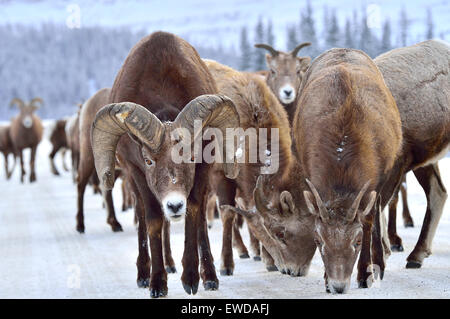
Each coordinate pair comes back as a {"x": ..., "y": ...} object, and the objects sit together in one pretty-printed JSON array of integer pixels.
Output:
[
  {"x": 286, "y": 71},
  {"x": 419, "y": 79},
  {"x": 273, "y": 215},
  {"x": 58, "y": 140},
  {"x": 348, "y": 141},
  {"x": 26, "y": 132},
  {"x": 6, "y": 147},
  {"x": 163, "y": 72}
]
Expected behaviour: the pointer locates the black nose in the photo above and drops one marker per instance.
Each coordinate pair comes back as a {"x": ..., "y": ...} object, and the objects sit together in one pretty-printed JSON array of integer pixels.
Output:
[
  {"x": 287, "y": 92},
  {"x": 339, "y": 290},
  {"x": 174, "y": 207}
]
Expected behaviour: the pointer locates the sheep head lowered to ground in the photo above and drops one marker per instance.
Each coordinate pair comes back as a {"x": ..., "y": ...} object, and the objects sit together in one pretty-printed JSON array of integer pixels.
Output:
[
  {"x": 274, "y": 217},
  {"x": 348, "y": 141},
  {"x": 162, "y": 72},
  {"x": 285, "y": 74}
]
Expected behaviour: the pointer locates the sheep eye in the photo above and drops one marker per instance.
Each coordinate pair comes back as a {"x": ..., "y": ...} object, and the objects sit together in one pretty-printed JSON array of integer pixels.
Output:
[
  {"x": 318, "y": 242},
  {"x": 357, "y": 244},
  {"x": 148, "y": 162}
]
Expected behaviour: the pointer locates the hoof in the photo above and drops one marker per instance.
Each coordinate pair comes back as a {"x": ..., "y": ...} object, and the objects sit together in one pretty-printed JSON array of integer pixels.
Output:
[
  {"x": 244, "y": 256},
  {"x": 226, "y": 272},
  {"x": 362, "y": 284},
  {"x": 116, "y": 228},
  {"x": 156, "y": 293},
  {"x": 171, "y": 269},
  {"x": 409, "y": 225},
  {"x": 272, "y": 268},
  {"x": 397, "y": 248},
  {"x": 211, "y": 285},
  {"x": 80, "y": 229},
  {"x": 413, "y": 265},
  {"x": 143, "y": 283},
  {"x": 257, "y": 258},
  {"x": 191, "y": 289}
]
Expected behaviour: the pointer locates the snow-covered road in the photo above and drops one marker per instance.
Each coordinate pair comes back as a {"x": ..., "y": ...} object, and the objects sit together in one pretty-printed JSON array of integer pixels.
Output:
[{"x": 42, "y": 256}]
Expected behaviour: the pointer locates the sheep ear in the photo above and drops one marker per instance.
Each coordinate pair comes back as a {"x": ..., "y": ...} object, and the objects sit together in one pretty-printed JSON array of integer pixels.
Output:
[
  {"x": 268, "y": 59},
  {"x": 305, "y": 62},
  {"x": 309, "y": 199}
]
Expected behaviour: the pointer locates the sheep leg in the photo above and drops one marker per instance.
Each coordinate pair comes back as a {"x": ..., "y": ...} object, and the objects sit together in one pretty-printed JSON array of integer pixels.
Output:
[
  {"x": 378, "y": 256},
  {"x": 431, "y": 182},
  {"x": 226, "y": 192},
  {"x": 238, "y": 243},
  {"x": 8, "y": 175},
  {"x": 365, "y": 257},
  {"x": 81, "y": 187},
  {"x": 395, "y": 240},
  {"x": 143, "y": 259},
  {"x": 268, "y": 260},
  {"x": 210, "y": 208},
  {"x": 111, "y": 219},
  {"x": 22, "y": 167},
  {"x": 63, "y": 159},
  {"x": 167, "y": 252},
  {"x": 52, "y": 160},
  {"x": 190, "y": 276},
  {"x": 207, "y": 269},
  {"x": 254, "y": 245},
  {"x": 158, "y": 279},
  {"x": 33, "y": 164},
  {"x": 407, "y": 219}
]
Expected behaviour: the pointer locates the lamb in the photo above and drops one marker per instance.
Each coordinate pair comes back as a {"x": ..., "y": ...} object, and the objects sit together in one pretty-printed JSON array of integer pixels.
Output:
[{"x": 26, "y": 132}]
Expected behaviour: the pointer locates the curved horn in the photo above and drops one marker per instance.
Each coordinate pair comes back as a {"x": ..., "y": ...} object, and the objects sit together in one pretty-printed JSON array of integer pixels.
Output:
[
  {"x": 299, "y": 47},
  {"x": 354, "y": 209},
  {"x": 36, "y": 100},
  {"x": 110, "y": 123},
  {"x": 322, "y": 209},
  {"x": 16, "y": 101},
  {"x": 272, "y": 51},
  {"x": 217, "y": 111},
  {"x": 261, "y": 202}
]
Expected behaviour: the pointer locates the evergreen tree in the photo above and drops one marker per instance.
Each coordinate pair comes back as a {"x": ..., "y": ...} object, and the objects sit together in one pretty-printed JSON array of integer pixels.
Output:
[
  {"x": 292, "y": 40},
  {"x": 258, "y": 53},
  {"x": 348, "y": 35},
  {"x": 404, "y": 25},
  {"x": 269, "y": 34},
  {"x": 386, "y": 37},
  {"x": 332, "y": 38},
  {"x": 308, "y": 31},
  {"x": 246, "y": 51},
  {"x": 430, "y": 25}
]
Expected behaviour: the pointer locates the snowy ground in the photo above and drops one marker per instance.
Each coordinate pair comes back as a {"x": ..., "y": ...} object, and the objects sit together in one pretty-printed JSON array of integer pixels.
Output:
[{"x": 42, "y": 256}]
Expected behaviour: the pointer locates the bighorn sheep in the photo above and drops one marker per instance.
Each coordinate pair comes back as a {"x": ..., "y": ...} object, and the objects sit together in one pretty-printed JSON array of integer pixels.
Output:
[
  {"x": 163, "y": 71},
  {"x": 26, "y": 132},
  {"x": 259, "y": 109},
  {"x": 6, "y": 147},
  {"x": 348, "y": 142},
  {"x": 58, "y": 140},
  {"x": 285, "y": 74},
  {"x": 419, "y": 79}
]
